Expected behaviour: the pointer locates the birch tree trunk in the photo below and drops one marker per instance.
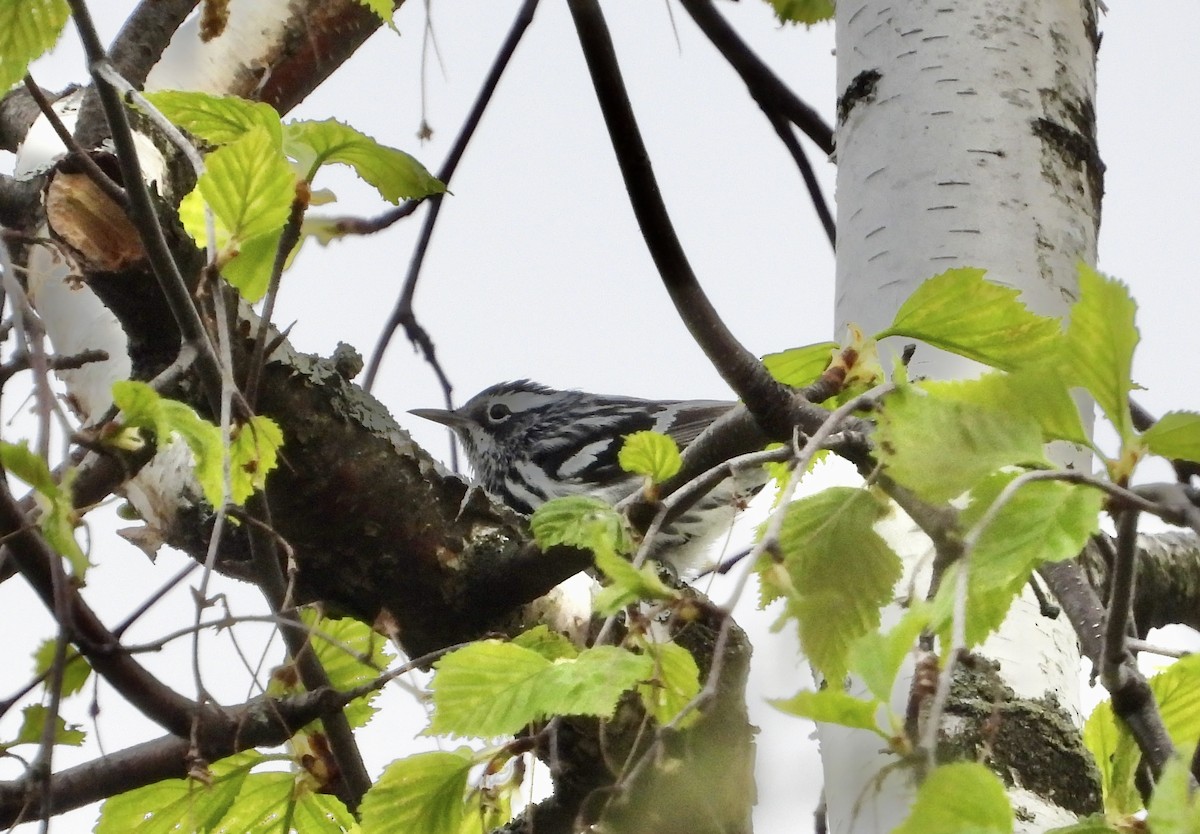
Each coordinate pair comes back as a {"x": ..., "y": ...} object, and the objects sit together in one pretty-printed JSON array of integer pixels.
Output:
[{"x": 966, "y": 137}]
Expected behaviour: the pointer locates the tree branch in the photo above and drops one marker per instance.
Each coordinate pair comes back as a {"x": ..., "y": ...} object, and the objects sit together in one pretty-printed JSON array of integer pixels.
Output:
[
  {"x": 403, "y": 312},
  {"x": 351, "y": 769},
  {"x": 768, "y": 400},
  {"x": 263, "y": 722},
  {"x": 784, "y": 131},
  {"x": 765, "y": 87},
  {"x": 19, "y": 200},
  {"x": 144, "y": 36},
  {"x": 33, "y": 557},
  {"x": 135, "y": 50},
  {"x": 18, "y": 112}
]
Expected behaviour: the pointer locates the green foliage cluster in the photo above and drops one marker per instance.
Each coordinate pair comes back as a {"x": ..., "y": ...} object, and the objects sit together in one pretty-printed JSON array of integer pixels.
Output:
[
  {"x": 249, "y": 791},
  {"x": 261, "y": 169},
  {"x": 976, "y": 446},
  {"x": 252, "y": 454}
]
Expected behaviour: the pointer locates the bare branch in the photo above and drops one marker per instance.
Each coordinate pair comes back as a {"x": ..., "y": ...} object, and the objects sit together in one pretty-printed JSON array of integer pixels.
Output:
[
  {"x": 19, "y": 200},
  {"x": 144, "y": 36},
  {"x": 79, "y": 156},
  {"x": 262, "y": 722},
  {"x": 403, "y": 312},
  {"x": 351, "y": 769},
  {"x": 34, "y": 557},
  {"x": 779, "y": 104},
  {"x": 768, "y": 400},
  {"x": 772, "y": 95}
]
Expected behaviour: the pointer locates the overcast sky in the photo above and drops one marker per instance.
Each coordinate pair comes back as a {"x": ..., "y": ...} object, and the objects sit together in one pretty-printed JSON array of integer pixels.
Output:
[{"x": 537, "y": 268}]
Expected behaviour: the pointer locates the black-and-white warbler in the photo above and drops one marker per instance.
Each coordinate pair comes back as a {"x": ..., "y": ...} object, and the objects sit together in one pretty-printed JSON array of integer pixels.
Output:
[{"x": 528, "y": 444}]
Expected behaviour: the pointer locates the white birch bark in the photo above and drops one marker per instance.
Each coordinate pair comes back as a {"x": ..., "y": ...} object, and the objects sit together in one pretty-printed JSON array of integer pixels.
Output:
[{"x": 957, "y": 146}]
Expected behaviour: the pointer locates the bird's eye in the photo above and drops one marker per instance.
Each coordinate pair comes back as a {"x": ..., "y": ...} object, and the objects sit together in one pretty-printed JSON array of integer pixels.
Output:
[{"x": 499, "y": 412}]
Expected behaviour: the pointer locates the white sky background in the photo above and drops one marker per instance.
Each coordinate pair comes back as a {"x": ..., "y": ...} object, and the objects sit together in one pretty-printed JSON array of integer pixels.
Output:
[{"x": 537, "y": 268}]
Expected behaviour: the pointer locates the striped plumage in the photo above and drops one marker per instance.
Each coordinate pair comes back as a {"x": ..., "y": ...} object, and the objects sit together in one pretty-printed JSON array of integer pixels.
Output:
[{"x": 528, "y": 444}]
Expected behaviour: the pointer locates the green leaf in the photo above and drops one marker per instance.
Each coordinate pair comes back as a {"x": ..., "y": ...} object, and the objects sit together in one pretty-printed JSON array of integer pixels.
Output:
[
  {"x": 1117, "y": 756},
  {"x": 549, "y": 644},
  {"x": 1177, "y": 692},
  {"x": 425, "y": 793},
  {"x": 249, "y": 185},
  {"x": 142, "y": 407},
  {"x": 651, "y": 454},
  {"x": 941, "y": 448},
  {"x": 833, "y": 706},
  {"x": 58, "y": 517},
  {"x": 675, "y": 683},
  {"x": 960, "y": 312},
  {"x": 319, "y": 812},
  {"x": 1101, "y": 338},
  {"x": 492, "y": 688},
  {"x": 833, "y": 607},
  {"x": 178, "y": 804},
  {"x": 959, "y": 798},
  {"x": 877, "y": 657},
  {"x": 75, "y": 674},
  {"x": 393, "y": 173},
  {"x": 33, "y": 723},
  {"x": 1040, "y": 391},
  {"x": 1176, "y": 435},
  {"x": 592, "y": 683},
  {"x": 1045, "y": 521},
  {"x": 807, "y": 12},
  {"x": 488, "y": 688},
  {"x": 28, "y": 28},
  {"x": 384, "y": 9},
  {"x": 266, "y": 800},
  {"x": 627, "y": 584},
  {"x": 217, "y": 120},
  {"x": 1173, "y": 807},
  {"x": 580, "y": 521},
  {"x": 253, "y": 455},
  {"x": 31, "y": 468},
  {"x": 250, "y": 271},
  {"x": 800, "y": 366},
  {"x": 352, "y": 654},
  {"x": 1093, "y": 824}
]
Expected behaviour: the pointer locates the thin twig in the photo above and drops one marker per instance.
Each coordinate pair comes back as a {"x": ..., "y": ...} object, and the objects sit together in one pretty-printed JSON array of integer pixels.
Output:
[
  {"x": 820, "y": 204},
  {"x": 94, "y": 172},
  {"x": 288, "y": 239},
  {"x": 402, "y": 314},
  {"x": 1120, "y": 601},
  {"x": 772, "y": 95},
  {"x": 22, "y": 361},
  {"x": 152, "y": 600},
  {"x": 354, "y": 777}
]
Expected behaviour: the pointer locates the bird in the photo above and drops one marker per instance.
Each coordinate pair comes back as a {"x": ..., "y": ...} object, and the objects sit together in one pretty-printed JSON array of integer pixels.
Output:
[{"x": 528, "y": 443}]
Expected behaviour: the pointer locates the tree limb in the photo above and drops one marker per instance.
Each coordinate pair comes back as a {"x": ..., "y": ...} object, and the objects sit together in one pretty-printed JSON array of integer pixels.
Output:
[
  {"x": 764, "y": 86},
  {"x": 19, "y": 200},
  {"x": 265, "y": 721},
  {"x": 33, "y": 557},
  {"x": 768, "y": 400},
  {"x": 403, "y": 312}
]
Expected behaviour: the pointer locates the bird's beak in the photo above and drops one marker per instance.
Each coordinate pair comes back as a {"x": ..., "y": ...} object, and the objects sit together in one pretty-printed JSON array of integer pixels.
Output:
[{"x": 440, "y": 415}]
